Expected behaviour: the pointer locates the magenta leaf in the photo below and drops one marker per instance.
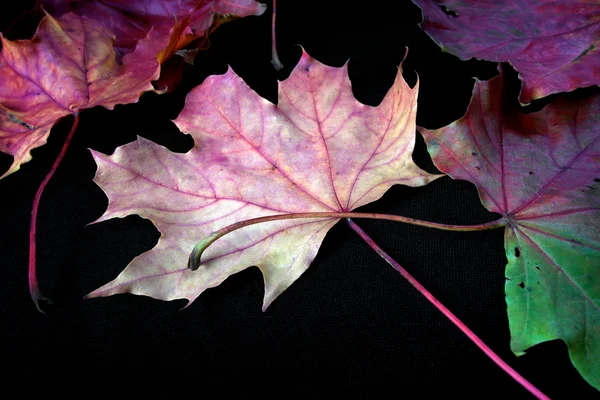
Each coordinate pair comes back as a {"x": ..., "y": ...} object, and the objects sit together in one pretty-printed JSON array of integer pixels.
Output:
[
  {"x": 130, "y": 21},
  {"x": 317, "y": 150},
  {"x": 540, "y": 171},
  {"x": 553, "y": 45},
  {"x": 68, "y": 66}
]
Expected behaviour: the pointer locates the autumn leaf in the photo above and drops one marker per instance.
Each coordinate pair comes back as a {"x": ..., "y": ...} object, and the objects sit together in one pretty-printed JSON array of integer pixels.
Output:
[
  {"x": 187, "y": 23},
  {"x": 130, "y": 21},
  {"x": 553, "y": 45},
  {"x": 69, "y": 65},
  {"x": 540, "y": 171},
  {"x": 317, "y": 150}
]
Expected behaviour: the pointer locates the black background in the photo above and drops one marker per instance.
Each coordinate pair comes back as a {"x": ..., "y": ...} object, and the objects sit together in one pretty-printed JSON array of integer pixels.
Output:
[{"x": 349, "y": 327}]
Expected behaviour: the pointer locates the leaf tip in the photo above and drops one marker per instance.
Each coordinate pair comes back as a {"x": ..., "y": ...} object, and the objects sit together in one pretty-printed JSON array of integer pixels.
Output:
[
  {"x": 189, "y": 303},
  {"x": 405, "y": 55},
  {"x": 13, "y": 168},
  {"x": 91, "y": 295},
  {"x": 305, "y": 61},
  {"x": 266, "y": 302}
]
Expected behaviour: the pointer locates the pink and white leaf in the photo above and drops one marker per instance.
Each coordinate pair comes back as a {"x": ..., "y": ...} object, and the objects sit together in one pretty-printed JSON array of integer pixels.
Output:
[{"x": 317, "y": 150}]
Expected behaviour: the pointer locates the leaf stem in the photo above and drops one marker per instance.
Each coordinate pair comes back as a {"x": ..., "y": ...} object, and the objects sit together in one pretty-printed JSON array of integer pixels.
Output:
[
  {"x": 274, "y": 56},
  {"x": 453, "y": 318},
  {"x": 194, "y": 260},
  {"x": 34, "y": 289}
]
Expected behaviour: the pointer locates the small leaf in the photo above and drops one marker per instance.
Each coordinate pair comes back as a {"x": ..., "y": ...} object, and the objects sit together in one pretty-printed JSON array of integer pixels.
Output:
[
  {"x": 318, "y": 149},
  {"x": 130, "y": 21},
  {"x": 540, "y": 172},
  {"x": 68, "y": 66},
  {"x": 553, "y": 45}
]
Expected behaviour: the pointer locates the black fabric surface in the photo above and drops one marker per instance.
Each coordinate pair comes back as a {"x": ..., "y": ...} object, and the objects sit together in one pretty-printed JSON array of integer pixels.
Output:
[{"x": 350, "y": 327}]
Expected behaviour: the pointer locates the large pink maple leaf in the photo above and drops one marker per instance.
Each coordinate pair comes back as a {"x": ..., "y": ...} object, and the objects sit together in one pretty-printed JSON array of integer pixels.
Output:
[
  {"x": 552, "y": 44},
  {"x": 317, "y": 150}
]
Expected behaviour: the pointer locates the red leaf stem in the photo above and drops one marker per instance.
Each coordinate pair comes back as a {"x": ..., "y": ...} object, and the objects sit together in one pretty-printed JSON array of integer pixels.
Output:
[
  {"x": 194, "y": 260},
  {"x": 453, "y": 318},
  {"x": 34, "y": 289},
  {"x": 275, "y": 57}
]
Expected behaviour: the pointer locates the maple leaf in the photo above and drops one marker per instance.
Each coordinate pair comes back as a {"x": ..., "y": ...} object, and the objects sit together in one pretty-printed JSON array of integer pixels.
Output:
[
  {"x": 69, "y": 65},
  {"x": 553, "y": 45},
  {"x": 130, "y": 21},
  {"x": 317, "y": 150},
  {"x": 540, "y": 171},
  {"x": 185, "y": 22}
]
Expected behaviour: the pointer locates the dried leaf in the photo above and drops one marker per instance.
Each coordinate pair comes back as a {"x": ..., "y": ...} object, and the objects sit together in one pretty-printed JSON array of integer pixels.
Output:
[
  {"x": 69, "y": 65},
  {"x": 130, "y": 21},
  {"x": 542, "y": 173},
  {"x": 553, "y": 45},
  {"x": 317, "y": 150}
]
